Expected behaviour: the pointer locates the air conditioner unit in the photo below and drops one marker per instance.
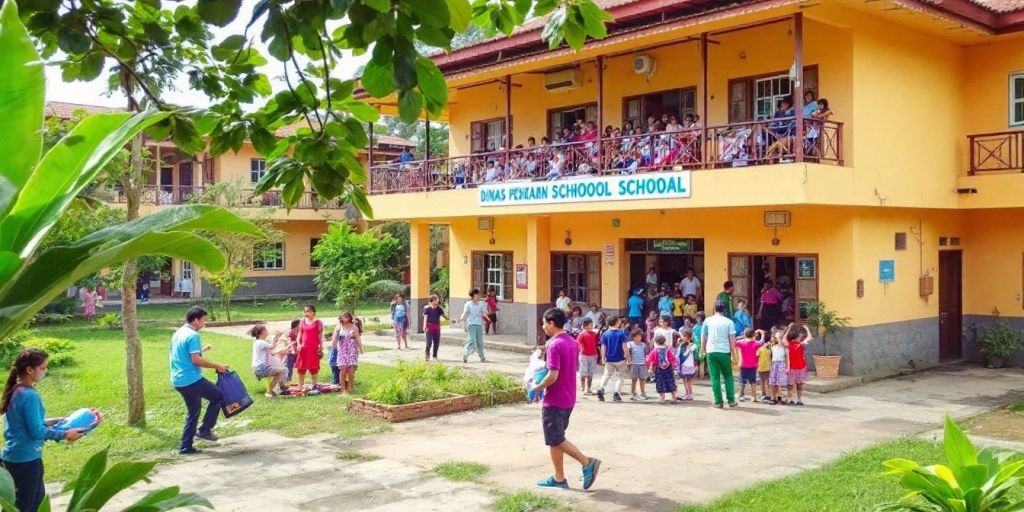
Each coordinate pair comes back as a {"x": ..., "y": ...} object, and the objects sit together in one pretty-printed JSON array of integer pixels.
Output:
[
  {"x": 564, "y": 80},
  {"x": 643, "y": 64}
]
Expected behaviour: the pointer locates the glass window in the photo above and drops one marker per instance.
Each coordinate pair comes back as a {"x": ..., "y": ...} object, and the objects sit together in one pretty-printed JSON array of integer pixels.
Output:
[
  {"x": 767, "y": 94},
  {"x": 257, "y": 168},
  {"x": 1017, "y": 99},
  {"x": 270, "y": 257},
  {"x": 493, "y": 270},
  {"x": 186, "y": 270}
]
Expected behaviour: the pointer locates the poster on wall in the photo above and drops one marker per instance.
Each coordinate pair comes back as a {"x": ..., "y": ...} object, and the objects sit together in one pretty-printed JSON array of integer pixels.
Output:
[
  {"x": 521, "y": 278},
  {"x": 609, "y": 254},
  {"x": 806, "y": 268}
]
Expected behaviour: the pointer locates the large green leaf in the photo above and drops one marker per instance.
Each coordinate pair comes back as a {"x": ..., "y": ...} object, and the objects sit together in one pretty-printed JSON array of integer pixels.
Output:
[
  {"x": 21, "y": 100},
  {"x": 168, "y": 499},
  {"x": 6, "y": 492},
  {"x": 461, "y": 13},
  {"x": 959, "y": 450},
  {"x": 87, "y": 477},
  {"x": 120, "y": 477}
]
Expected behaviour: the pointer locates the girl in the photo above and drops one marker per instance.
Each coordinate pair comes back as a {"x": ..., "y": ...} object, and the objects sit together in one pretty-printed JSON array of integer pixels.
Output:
[
  {"x": 780, "y": 369},
  {"x": 797, "y": 361},
  {"x": 764, "y": 362},
  {"x": 432, "y": 315},
  {"x": 637, "y": 363},
  {"x": 698, "y": 327},
  {"x": 663, "y": 363},
  {"x": 89, "y": 303},
  {"x": 293, "y": 348},
  {"x": 491, "y": 320},
  {"x": 576, "y": 322},
  {"x": 265, "y": 360},
  {"x": 25, "y": 429},
  {"x": 310, "y": 348},
  {"x": 677, "y": 310},
  {"x": 348, "y": 344},
  {"x": 665, "y": 331},
  {"x": 690, "y": 308},
  {"x": 741, "y": 319},
  {"x": 687, "y": 366},
  {"x": 400, "y": 320},
  {"x": 651, "y": 324}
]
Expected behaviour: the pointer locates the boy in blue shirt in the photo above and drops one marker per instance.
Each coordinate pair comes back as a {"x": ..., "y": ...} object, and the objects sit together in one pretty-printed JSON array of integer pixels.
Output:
[
  {"x": 636, "y": 308},
  {"x": 613, "y": 352},
  {"x": 187, "y": 362}
]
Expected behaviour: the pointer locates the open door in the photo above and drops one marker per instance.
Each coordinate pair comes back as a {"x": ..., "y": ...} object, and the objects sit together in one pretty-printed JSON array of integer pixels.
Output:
[{"x": 950, "y": 305}]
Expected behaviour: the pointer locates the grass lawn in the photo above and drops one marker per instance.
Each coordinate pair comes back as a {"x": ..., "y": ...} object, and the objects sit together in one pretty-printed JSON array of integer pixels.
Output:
[
  {"x": 247, "y": 309},
  {"x": 461, "y": 471},
  {"x": 97, "y": 380}
]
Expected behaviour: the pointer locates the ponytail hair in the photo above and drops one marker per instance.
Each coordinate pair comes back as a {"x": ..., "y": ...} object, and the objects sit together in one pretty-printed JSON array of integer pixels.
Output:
[
  {"x": 28, "y": 358},
  {"x": 256, "y": 330}
]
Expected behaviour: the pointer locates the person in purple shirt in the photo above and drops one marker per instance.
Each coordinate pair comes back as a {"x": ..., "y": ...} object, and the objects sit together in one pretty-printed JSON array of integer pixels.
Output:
[{"x": 559, "y": 400}]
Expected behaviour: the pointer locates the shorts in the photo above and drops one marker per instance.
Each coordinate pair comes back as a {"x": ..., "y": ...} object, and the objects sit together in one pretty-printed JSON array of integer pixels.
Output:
[
  {"x": 797, "y": 376},
  {"x": 554, "y": 421},
  {"x": 264, "y": 370},
  {"x": 401, "y": 324},
  {"x": 748, "y": 375},
  {"x": 638, "y": 371},
  {"x": 588, "y": 365},
  {"x": 764, "y": 376}
]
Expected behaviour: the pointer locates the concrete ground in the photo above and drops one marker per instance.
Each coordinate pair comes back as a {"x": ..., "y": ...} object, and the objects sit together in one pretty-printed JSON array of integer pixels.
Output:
[{"x": 655, "y": 456}]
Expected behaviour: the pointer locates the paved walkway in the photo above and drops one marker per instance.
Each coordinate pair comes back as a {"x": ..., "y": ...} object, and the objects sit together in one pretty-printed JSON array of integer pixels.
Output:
[{"x": 693, "y": 452}]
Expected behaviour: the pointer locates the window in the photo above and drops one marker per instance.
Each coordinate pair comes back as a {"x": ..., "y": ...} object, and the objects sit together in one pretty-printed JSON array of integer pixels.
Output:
[
  {"x": 488, "y": 135},
  {"x": 257, "y": 168},
  {"x": 677, "y": 102},
  {"x": 186, "y": 270},
  {"x": 313, "y": 263},
  {"x": 1017, "y": 99},
  {"x": 579, "y": 274},
  {"x": 493, "y": 270},
  {"x": 269, "y": 257},
  {"x": 795, "y": 276},
  {"x": 567, "y": 116},
  {"x": 757, "y": 97}
]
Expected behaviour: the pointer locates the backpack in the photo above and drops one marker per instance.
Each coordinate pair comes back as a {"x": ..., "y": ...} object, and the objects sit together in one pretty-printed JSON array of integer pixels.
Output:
[{"x": 663, "y": 361}]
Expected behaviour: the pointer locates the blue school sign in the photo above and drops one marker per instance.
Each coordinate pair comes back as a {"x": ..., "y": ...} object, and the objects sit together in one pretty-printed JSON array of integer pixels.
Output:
[{"x": 666, "y": 185}]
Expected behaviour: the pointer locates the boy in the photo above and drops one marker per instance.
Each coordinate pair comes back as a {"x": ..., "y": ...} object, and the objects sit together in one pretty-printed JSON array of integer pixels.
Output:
[
  {"x": 587, "y": 341},
  {"x": 613, "y": 353},
  {"x": 636, "y": 360},
  {"x": 764, "y": 362},
  {"x": 473, "y": 314},
  {"x": 748, "y": 347}
]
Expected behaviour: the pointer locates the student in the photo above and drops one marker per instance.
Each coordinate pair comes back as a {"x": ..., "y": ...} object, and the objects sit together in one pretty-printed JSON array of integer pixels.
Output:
[
  {"x": 780, "y": 368},
  {"x": 536, "y": 371},
  {"x": 636, "y": 308},
  {"x": 741, "y": 318},
  {"x": 89, "y": 300},
  {"x": 613, "y": 353},
  {"x": 432, "y": 315},
  {"x": 491, "y": 320},
  {"x": 310, "y": 349},
  {"x": 563, "y": 301},
  {"x": 649, "y": 326},
  {"x": 594, "y": 314},
  {"x": 652, "y": 281},
  {"x": 293, "y": 348},
  {"x": 186, "y": 363},
  {"x": 687, "y": 366},
  {"x": 587, "y": 340},
  {"x": 725, "y": 297},
  {"x": 748, "y": 348},
  {"x": 662, "y": 363},
  {"x": 677, "y": 310},
  {"x": 690, "y": 308},
  {"x": 349, "y": 345},
  {"x": 698, "y": 330},
  {"x": 473, "y": 316},
  {"x": 764, "y": 362},
  {"x": 400, "y": 320},
  {"x": 26, "y": 429},
  {"x": 636, "y": 360},
  {"x": 664, "y": 329},
  {"x": 265, "y": 359},
  {"x": 575, "y": 324},
  {"x": 665, "y": 305},
  {"x": 718, "y": 345},
  {"x": 796, "y": 342}
]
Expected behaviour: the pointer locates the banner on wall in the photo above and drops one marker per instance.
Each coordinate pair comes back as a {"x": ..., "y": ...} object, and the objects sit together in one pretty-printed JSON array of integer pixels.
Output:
[{"x": 661, "y": 185}]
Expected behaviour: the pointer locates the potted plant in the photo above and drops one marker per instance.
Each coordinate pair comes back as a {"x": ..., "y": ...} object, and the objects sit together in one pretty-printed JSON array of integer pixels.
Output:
[
  {"x": 999, "y": 342},
  {"x": 826, "y": 322}
]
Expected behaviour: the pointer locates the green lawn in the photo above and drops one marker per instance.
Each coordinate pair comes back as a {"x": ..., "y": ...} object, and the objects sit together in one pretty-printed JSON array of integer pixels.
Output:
[
  {"x": 246, "y": 309},
  {"x": 97, "y": 380}
]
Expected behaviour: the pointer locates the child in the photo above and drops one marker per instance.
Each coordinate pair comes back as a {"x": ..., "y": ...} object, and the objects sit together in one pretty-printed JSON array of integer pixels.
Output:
[
  {"x": 614, "y": 346},
  {"x": 349, "y": 345},
  {"x": 576, "y": 321},
  {"x": 764, "y": 362},
  {"x": 780, "y": 369},
  {"x": 89, "y": 300},
  {"x": 796, "y": 342},
  {"x": 491, "y": 320},
  {"x": 400, "y": 320},
  {"x": 432, "y": 315},
  {"x": 665, "y": 305},
  {"x": 687, "y": 367},
  {"x": 698, "y": 328},
  {"x": 587, "y": 341},
  {"x": 665, "y": 331},
  {"x": 651, "y": 323},
  {"x": 690, "y": 308},
  {"x": 748, "y": 347},
  {"x": 636, "y": 360},
  {"x": 741, "y": 319},
  {"x": 677, "y": 310},
  {"x": 594, "y": 315},
  {"x": 536, "y": 371},
  {"x": 293, "y": 348},
  {"x": 264, "y": 358},
  {"x": 663, "y": 363}
]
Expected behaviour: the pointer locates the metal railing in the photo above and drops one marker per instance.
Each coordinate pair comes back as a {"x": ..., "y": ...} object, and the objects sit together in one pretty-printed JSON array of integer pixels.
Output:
[
  {"x": 171, "y": 195},
  {"x": 733, "y": 145},
  {"x": 996, "y": 152}
]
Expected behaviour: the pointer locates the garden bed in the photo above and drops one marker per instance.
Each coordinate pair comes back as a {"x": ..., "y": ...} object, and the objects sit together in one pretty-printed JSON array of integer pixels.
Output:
[{"x": 440, "y": 407}]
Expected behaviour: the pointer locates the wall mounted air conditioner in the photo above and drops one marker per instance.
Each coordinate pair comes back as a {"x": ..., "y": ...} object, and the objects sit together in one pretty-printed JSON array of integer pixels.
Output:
[
  {"x": 643, "y": 65},
  {"x": 564, "y": 80}
]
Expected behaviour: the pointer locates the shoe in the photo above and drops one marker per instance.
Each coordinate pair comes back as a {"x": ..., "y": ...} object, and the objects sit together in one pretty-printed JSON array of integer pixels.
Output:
[
  {"x": 744, "y": 399},
  {"x": 791, "y": 403},
  {"x": 634, "y": 398},
  {"x": 590, "y": 472},
  {"x": 550, "y": 482},
  {"x": 207, "y": 435},
  {"x": 616, "y": 398},
  {"x": 465, "y": 359},
  {"x": 719, "y": 406},
  {"x": 643, "y": 397},
  {"x": 755, "y": 400},
  {"x": 189, "y": 451},
  {"x": 285, "y": 392},
  {"x": 799, "y": 403},
  {"x": 313, "y": 392},
  {"x": 689, "y": 397},
  {"x": 733, "y": 404},
  {"x": 600, "y": 395}
]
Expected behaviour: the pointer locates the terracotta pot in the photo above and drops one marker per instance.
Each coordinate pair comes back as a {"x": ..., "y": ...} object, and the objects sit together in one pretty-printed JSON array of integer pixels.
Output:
[
  {"x": 827, "y": 367},
  {"x": 994, "y": 362}
]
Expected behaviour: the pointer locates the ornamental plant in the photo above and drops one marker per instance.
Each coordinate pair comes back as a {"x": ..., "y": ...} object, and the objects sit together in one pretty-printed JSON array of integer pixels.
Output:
[
  {"x": 1000, "y": 340},
  {"x": 825, "y": 321}
]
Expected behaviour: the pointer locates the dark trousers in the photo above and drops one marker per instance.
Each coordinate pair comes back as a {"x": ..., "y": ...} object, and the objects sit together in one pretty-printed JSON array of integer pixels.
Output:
[
  {"x": 289, "y": 361},
  {"x": 769, "y": 316},
  {"x": 28, "y": 484},
  {"x": 335, "y": 375},
  {"x": 194, "y": 394},
  {"x": 433, "y": 341}
]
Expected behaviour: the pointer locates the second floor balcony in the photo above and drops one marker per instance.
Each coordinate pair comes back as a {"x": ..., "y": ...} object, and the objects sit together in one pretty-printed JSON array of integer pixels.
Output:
[{"x": 996, "y": 152}]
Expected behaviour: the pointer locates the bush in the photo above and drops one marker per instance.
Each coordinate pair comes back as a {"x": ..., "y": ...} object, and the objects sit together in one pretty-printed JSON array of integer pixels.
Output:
[
  {"x": 289, "y": 304},
  {"x": 61, "y": 351},
  {"x": 12, "y": 345},
  {"x": 384, "y": 290},
  {"x": 440, "y": 284},
  {"x": 1000, "y": 340},
  {"x": 63, "y": 305},
  {"x": 52, "y": 318},
  {"x": 109, "y": 321},
  {"x": 419, "y": 383}
]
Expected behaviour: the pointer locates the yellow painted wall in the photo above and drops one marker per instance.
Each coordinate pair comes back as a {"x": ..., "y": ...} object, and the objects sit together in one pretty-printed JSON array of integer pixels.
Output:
[
  {"x": 296, "y": 248},
  {"x": 993, "y": 262},
  {"x": 986, "y": 88}
]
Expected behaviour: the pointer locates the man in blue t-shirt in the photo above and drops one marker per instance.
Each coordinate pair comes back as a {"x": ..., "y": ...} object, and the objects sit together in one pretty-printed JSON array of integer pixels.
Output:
[
  {"x": 613, "y": 353},
  {"x": 187, "y": 362}
]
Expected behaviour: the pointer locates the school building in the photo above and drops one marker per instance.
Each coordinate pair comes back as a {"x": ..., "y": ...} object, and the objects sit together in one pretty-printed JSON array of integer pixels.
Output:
[
  {"x": 901, "y": 210},
  {"x": 177, "y": 177}
]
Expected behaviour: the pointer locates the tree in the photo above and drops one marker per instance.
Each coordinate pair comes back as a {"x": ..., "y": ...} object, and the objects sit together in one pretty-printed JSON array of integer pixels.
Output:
[
  {"x": 417, "y": 132},
  {"x": 239, "y": 249},
  {"x": 350, "y": 262}
]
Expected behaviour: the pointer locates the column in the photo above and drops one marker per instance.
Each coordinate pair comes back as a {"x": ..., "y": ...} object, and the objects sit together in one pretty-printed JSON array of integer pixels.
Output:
[
  {"x": 798, "y": 89},
  {"x": 419, "y": 272},
  {"x": 538, "y": 268}
]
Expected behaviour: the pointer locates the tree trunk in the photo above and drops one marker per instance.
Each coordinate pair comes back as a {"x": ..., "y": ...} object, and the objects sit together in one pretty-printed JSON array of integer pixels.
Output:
[{"x": 129, "y": 313}]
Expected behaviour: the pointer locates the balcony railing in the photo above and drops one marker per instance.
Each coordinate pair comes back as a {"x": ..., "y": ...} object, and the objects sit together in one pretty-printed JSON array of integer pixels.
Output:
[
  {"x": 170, "y": 195},
  {"x": 997, "y": 152},
  {"x": 734, "y": 145}
]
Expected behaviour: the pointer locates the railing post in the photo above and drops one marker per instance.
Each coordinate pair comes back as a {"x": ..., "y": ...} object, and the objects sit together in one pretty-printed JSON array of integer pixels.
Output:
[
  {"x": 369, "y": 159},
  {"x": 798, "y": 91},
  {"x": 600, "y": 115},
  {"x": 704, "y": 104},
  {"x": 970, "y": 163}
]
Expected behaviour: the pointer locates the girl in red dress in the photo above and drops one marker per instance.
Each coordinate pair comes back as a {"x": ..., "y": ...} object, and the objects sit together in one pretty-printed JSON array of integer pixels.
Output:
[{"x": 311, "y": 335}]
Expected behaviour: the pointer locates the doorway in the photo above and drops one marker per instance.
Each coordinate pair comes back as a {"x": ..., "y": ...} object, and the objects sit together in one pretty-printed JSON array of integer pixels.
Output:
[
  {"x": 568, "y": 117},
  {"x": 795, "y": 276},
  {"x": 670, "y": 258},
  {"x": 950, "y": 304}
]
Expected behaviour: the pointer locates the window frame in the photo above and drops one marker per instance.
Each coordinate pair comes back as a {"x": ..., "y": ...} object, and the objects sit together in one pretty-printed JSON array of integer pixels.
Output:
[
  {"x": 754, "y": 295},
  {"x": 749, "y": 102},
  {"x": 259, "y": 172},
  {"x": 1013, "y": 101},
  {"x": 262, "y": 265},
  {"x": 478, "y": 134},
  {"x": 479, "y": 276},
  {"x": 586, "y": 107},
  {"x": 560, "y": 272},
  {"x": 643, "y": 114}
]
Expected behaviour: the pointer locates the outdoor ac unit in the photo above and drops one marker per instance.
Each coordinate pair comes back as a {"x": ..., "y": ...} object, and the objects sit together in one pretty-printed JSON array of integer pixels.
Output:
[
  {"x": 564, "y": 80},
  {"x": 643, "y": 64}
]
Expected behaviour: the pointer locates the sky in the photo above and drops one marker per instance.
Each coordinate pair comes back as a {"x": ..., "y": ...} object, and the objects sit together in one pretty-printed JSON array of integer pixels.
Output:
[{"x": 95, "y": 92}]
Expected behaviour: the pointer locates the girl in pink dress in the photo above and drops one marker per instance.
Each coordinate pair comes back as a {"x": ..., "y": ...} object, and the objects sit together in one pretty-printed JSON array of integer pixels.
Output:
[
  {"x": 89, "y": 303},
  {"x": 311, "y": 334},
  {"x": 348, "y": 344}
]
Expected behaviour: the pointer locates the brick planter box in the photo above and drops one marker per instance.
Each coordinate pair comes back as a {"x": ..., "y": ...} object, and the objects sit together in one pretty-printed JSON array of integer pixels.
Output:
[{"x": 414, "y": 411}]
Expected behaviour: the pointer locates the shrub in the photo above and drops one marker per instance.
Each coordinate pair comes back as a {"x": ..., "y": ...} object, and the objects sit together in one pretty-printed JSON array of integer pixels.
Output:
[
  {"x": 384, "y": 290},
  {"x": 109, "y": 321},
  {"x": 289, "y": 304},
  {"x": 52, "y": 318},
  {"x": 419, "y": 382},
  {"x": 1000, "y": 340},
  {"x": 61, "y": 351},
  {"x": 63, "y": 305},
  {"x": 12, "y": 345},
  {"x": 440, "y": 285}
]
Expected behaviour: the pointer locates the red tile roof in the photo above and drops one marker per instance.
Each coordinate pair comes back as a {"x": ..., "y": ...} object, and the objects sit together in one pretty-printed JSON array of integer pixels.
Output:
[
  {"x": 378, "y": 139},
  {"x": 65, "y": 110},
  {"x": 1001, "y": 6}
]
